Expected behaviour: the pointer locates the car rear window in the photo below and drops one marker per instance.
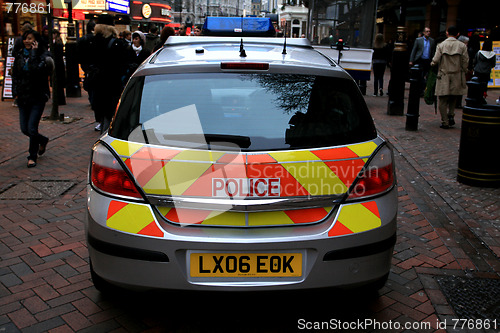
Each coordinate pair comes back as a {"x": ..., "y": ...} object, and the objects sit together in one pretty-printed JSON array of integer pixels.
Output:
[{"x": 245, "y": 112}]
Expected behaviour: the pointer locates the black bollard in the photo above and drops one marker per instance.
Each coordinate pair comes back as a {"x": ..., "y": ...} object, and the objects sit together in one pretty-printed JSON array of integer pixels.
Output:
[
  {"x": 399, "y": 72},
  {"x": 414, "y": 99},
  {"x": 475, "y": 92},
  {"x": 479, "y": 133}
]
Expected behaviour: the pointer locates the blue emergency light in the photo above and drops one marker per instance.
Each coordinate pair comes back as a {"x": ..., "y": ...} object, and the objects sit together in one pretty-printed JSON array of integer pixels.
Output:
[{"x": 239, "y": 26}]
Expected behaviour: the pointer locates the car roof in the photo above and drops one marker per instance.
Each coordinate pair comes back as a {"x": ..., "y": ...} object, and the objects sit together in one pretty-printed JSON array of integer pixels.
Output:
[{"x": 204, "y": 53}]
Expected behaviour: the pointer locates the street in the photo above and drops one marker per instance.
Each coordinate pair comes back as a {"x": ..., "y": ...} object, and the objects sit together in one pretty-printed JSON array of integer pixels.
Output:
[{"x": 445, "y": 273}]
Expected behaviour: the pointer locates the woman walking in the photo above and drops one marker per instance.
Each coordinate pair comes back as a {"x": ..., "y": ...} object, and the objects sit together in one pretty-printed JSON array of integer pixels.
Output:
[
  {"x": 30, "y": 73},
  {"x": 380, "y": 60},
  {"x": 137, "y": 53}
]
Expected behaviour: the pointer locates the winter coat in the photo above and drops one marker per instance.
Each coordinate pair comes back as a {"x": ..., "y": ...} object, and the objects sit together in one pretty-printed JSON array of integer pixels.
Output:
[
  {"x": 381, "y": 55},
  {"x": 484, "y": 62},
  {"x": 30, "y": 75},
  {"x": 108, "y": 65},
  {"x": 151, "y": 41},
  {"x": 134, "y": 59},
  {"x": 452, "y": 58}
]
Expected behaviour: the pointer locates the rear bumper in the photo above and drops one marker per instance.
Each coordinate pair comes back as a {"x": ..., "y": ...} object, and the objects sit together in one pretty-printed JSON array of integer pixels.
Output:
[
  {"x": 169, "y": 269},
  {"x": 145, "y": 262}
]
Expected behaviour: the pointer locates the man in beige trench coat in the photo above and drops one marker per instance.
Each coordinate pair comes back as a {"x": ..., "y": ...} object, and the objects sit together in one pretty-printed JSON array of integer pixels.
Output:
[{"x": 452, "y": 58}]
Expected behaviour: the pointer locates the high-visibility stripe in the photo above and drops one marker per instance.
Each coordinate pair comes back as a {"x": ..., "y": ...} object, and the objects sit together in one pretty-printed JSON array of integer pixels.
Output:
[
  {"x": 187, "y": 216},
  {"x": 307, "y": 215},
  {"x": 125, "y": 148},
  {"x": 225, "y": 219},
  {"x": 132, "y": 218},
  {"x": 175, "y": 178},
  {"x": 363, "y": 149},
  {"x": 356, "y": 218},
  {"x": 229, "y": 218},
  {"x": 316, "y": 177},
  {"x": 268, "y": 218},
  {"x": 294, "y": 156},
  {"x": 187, "y": 172},
  {"x": 166, "y": 171}
]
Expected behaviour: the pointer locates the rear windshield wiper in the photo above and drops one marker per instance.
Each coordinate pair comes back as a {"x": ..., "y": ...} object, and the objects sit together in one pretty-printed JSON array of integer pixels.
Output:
[{"x": 241, "y": 141}]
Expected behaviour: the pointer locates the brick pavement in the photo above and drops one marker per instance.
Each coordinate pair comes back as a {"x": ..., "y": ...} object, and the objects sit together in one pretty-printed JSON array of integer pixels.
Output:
[{"x": 445, "y": 229}]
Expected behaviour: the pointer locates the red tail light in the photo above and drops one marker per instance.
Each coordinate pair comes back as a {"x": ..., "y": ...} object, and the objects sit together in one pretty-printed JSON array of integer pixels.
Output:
[
  {"x": 377, "y": 178},
  {"x": 107, "y": 175}
]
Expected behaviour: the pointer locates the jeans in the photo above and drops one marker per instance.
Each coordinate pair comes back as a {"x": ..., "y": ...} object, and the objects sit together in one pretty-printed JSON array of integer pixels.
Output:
[
  {"x": 378, "y": 75},
  {"x": 29, "y": 118}
]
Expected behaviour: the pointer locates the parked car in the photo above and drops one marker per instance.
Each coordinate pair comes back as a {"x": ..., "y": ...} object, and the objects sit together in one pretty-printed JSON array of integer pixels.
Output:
[{"x": 241, "y": 163}]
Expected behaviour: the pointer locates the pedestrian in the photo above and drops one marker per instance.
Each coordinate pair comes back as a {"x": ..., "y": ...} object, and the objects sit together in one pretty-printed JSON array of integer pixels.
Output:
[
  {"x": 30, "y": 83},
  {"x": 452, "y": 60},
  {"x": 107, "y": 67},
  {"x": 58, "y": 55},
  {"x": 127, "y": 35},
  {"x": 484, "y": 61},
  {"x": 18, "y": 42},
  {"x": 136, "y": 52},
  {"x": 165, "y": 33},
  {"x": 380, "y": 59},
  {"x": 83, "y": 47},
  {"x": 464, "y": 40},
  {"x": 152, "y": 38},
  {"x": 421, "y": 54},
  {"x": 182, "y": 30}
]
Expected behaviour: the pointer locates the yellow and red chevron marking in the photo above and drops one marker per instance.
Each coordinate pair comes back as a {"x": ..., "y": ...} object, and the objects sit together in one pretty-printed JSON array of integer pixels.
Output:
[
  {"x": 356, "y": 218},
  {"x": 184, "y": 172},
  {"x": 218, "y": 218},
  {"x": 132, "y": 218}
]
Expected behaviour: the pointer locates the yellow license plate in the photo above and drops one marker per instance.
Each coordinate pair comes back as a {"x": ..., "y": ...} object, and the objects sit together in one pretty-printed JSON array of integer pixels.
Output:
[{"x": 246, "y": 264}]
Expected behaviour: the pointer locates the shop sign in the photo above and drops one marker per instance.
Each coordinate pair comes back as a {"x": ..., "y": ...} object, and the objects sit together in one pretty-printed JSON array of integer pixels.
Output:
[
  {"x": 81, "y": 4},
  {"x": 150, "y": 11},
  {"x": 7, "y": 77},
  {"x": 119, "y": 6},
  {"x": 146, "y": 10}
]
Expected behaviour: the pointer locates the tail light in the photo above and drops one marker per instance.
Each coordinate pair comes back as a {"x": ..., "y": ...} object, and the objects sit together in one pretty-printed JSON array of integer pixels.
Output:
[
  {"x": 108, "y": 176},
  {"x": 377, "y": 177}
]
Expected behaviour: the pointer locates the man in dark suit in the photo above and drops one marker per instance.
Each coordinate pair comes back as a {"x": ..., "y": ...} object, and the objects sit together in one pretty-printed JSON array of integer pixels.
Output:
[{"x": 422, "y": 53}]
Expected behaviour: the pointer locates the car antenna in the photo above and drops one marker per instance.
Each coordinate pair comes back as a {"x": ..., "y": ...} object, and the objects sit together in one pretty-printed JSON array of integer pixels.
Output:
[
  {"x": 284, "y": 45},
  {"x": 242, "y": 50}
]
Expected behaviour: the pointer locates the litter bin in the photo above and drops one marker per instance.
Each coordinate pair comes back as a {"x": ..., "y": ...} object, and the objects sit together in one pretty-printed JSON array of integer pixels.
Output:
[{"x": 478, "y": 156}]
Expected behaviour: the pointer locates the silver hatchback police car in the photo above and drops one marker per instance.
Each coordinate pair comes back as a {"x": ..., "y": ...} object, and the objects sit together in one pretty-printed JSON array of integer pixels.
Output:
[{"x": 241, "y": 163}]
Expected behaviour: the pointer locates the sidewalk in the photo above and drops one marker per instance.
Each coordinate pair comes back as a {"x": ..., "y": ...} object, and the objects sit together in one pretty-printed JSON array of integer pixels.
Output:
[{"x": 446, "y": 261}]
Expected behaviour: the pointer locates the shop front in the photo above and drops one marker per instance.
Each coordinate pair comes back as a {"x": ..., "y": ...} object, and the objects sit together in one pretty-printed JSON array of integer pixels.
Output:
[{"x": 145, "y": 13}]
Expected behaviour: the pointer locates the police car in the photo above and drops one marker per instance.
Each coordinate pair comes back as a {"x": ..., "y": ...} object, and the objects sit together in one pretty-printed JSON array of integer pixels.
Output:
[{"x": 241, "y": 163}]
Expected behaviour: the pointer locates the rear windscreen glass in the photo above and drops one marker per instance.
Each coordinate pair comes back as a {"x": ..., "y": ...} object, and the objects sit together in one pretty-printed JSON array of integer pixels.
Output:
[{"x": 243, "y": 111}]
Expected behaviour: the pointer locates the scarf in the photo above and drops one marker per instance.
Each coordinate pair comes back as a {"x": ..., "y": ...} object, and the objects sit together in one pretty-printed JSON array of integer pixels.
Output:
[
  {"x": 137, "y": 49},
  {"x": 26, "y": 56}
]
